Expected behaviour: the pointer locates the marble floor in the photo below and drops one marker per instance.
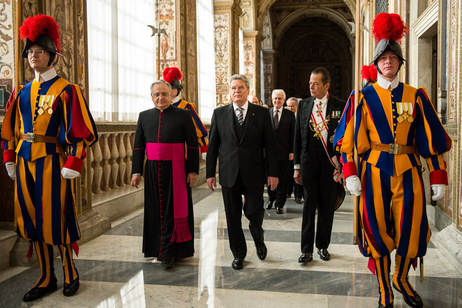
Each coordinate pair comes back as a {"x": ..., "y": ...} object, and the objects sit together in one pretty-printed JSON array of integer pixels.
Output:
[{"x": 114, "y": 273}]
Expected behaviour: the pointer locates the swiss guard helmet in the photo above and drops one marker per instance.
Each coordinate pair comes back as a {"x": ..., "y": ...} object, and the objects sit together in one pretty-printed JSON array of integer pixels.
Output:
[
  {"x": 173, "y": 76},
  {"x": 41, "y": 30},
  {"x": 369, "y": 73},
  {"x": 388, "y": 29}
]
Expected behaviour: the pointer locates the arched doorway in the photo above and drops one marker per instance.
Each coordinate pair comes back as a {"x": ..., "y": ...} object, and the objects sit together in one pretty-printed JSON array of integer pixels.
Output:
[{"x": 307, "y": 44}]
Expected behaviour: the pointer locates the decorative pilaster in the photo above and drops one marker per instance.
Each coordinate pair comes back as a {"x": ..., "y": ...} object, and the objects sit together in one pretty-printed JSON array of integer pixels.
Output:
[
  {"x": 226, "y": 22},
  {"x": 252, "y": 66}
]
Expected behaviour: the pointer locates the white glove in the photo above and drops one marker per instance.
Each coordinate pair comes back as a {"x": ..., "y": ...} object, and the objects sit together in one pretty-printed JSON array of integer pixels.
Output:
[
  {"x": 353, "y": 184},
  {"x": 10, "y": 168},
  {"x": 439, "y": 191},
  {"x": 69, "y": 173},
  {"x": 204, "y": 156}
]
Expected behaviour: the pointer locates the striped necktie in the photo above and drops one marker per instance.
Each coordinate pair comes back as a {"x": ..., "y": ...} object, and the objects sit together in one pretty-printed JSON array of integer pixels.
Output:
[{"x": 240, "y": 115}]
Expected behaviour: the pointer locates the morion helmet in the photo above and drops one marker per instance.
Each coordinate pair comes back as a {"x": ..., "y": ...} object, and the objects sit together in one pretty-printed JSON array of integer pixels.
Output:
[
  {"x": 41, "y": 30},
  {"x": 388, "y": 29},
  {"x": 173, "y": 76}
]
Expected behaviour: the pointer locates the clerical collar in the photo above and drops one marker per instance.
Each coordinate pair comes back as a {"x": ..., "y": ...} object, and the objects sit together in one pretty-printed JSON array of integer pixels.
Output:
[
  {"x": 245, "y": 106},
  {"x": 383, "y": 83},
  {"x": 48, "y": 75},
  {"x": 176, "y": 99}
]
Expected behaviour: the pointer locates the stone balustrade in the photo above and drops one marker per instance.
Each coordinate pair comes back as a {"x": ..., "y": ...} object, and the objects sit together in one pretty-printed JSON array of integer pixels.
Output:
[{"x": 111, "y": 157}]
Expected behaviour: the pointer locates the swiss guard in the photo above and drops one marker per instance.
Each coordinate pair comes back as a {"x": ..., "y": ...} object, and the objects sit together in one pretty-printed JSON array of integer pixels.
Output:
[
  {"x": 173, "y": 76},
  {"x": 46, "y": 128},
  {"x": 394, "y": 124}
]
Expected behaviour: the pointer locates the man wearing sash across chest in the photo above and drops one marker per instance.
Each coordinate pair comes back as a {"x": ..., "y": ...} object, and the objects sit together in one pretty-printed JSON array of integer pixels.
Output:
[
  {"x": 316, "y": 165},
  {"x": 167, "y": 136},
  {"x": 46, "y": 129},
  {"x": 393, "y": 125}
]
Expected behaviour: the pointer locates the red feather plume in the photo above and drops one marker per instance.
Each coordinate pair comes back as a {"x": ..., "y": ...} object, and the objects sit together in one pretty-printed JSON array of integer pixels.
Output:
[
  {"x": 35, "y": 26},
  {"x": 388, "y": 26},
  {"x": 369, "y": 72},
  {"x": 170, "y": 73}
]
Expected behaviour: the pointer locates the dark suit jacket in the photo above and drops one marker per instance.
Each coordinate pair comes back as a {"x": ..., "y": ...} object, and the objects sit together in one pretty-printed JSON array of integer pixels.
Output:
[
  {"x": 303, "y": 132},
  {"x": 284, "y": 134},
  {"x": 245, "y": 156}
]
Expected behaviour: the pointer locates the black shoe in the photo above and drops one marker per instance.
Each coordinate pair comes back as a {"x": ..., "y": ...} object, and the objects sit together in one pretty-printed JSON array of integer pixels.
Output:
[
  {"x": 305, "y": 257},
  {"x": 70, "y": 289},
  {"x": 269, "y": 204},
  {"x": 262, "y": 251},
  {"x": 298, "y": 200},
  {"x": 279, "y": 210},
  {"x": 167, "y": 263},
  {"x": 413, "y": 301},
  {"x": 37, "y": 293},
  {"x": 387, "y": 306},
  {"x": 324, "y": 254},
  {"x": 237, "y": 264}
]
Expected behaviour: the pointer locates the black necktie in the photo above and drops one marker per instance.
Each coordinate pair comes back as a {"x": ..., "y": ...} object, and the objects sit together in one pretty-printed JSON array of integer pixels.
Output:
[{"x": 276, "y": 119}]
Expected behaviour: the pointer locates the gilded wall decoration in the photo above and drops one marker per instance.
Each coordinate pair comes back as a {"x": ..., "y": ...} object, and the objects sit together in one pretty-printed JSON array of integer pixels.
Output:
[
  {"x": 452, "y": 65},
  {"x": 165, "y": 20},
  {"x": 222, "y": 30},
  {"x": 267, "y": 33},
  {"x": 249, "y": 63},
  {"x": 6, "y": 52},
  {"x": 268, "y": 77}
]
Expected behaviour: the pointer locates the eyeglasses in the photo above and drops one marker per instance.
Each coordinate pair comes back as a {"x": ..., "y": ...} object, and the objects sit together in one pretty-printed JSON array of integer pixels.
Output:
[{"x": 30, "y": 52}]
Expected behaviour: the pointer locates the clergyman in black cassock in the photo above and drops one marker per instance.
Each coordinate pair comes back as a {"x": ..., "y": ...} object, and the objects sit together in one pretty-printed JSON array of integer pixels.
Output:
[{"x": 162, "y": 133}]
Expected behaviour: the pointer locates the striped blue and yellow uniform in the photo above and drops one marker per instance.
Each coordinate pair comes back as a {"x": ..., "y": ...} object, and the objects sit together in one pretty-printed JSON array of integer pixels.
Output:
[
  {"x": 44, "y": 202},
  {"x": 201, "y": 131},
  {"x": 392, "y": 203}
]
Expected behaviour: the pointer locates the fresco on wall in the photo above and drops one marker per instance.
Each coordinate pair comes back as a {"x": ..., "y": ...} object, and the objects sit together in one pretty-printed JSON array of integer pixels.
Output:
[
  {"x": 221, "y": 22},
  {"x": 165, "y": 21},
  {"x": 6, "y": 54}
]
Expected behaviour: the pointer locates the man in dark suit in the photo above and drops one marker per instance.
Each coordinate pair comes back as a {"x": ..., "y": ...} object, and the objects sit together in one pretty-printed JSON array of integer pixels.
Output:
[
  {"x": 240, "y": 133},
  {"x": 315, "y": 163},
  {"x": 292, "y": 105},
  {"x": 283, "y": 128}
]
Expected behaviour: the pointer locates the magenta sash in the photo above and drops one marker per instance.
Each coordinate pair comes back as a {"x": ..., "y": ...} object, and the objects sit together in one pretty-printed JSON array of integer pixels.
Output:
[{"x": 174, "y": 152}]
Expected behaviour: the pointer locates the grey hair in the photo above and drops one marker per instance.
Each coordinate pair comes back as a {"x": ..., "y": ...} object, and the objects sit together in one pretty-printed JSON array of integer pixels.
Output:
[
  {"x": 294, "y": 99},
  {"x": 240, "y": 77},
  {"x": 161, "y": 81},
  {"x": 276, "y": 91}
]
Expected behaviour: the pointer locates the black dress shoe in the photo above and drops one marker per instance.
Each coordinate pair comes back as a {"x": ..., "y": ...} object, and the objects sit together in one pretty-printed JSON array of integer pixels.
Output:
[
  {"x": 269, "y": 204},
  {"x": 298, "y": 200},
  {"x": 167, "y": 263},
  {"x": 70, "y": 289},
  {"x": 237, "y": 264},
  {"x": 279, "y": 210},
  {"x": 305, "y": 257},
  {"x": 387, "y": 306},
  {"x": 324, "y": 254},
  {"x": 413, "y": 301},
  {"x": 37, "y": 293},
  {"x": 262, "y": 251}
]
